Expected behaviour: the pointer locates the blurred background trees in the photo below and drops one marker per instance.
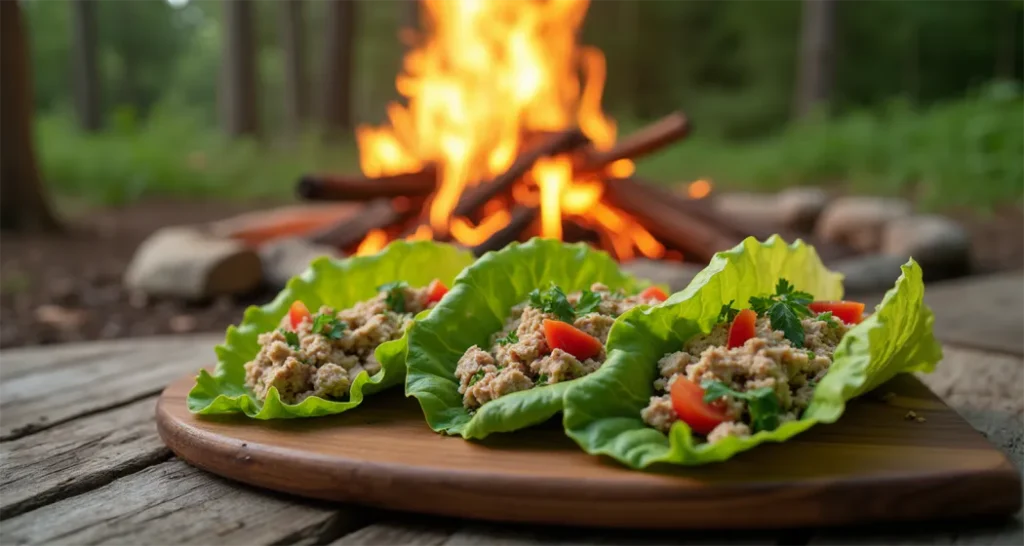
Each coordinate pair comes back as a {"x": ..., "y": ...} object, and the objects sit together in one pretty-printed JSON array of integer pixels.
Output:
[{"x": 879, "y": 94}]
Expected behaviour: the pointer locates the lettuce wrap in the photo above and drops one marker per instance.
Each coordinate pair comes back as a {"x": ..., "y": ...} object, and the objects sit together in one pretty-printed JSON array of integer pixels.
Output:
[
  {"x": 339, "y": 284},
  {"x": 602, "y": 411},
  {"x": 477, "y": 307}
]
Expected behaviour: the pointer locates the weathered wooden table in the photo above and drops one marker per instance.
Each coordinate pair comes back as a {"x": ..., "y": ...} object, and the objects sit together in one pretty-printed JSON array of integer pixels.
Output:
[{"x": 81, "y": 462}]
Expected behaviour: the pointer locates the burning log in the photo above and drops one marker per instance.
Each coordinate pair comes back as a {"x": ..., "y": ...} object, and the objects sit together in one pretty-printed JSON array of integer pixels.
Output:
[
  {"x": 522, "y": 217},
  {"x": 696, "y": 238},
  {"x": 378, "y": 214},
  {"x": 360, "y": 188},
  {"x": 558, "y": 143},
  {"x": 650, "y": 138}
]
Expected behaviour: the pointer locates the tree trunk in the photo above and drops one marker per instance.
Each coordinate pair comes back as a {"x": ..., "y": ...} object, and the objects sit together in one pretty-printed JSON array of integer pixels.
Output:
[
  {"x": 296, "y": 86},
  {"x": 239, "y": 106},
  {"x": 815, "y": 71},
  {"x": 86, "y": 75},
  {"x": 23, "y": 202},
  {"x": 338, "y": 56}
]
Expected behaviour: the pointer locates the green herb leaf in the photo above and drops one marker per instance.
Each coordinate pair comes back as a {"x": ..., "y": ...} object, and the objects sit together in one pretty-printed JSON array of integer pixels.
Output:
[
  {"x": 785, "y": 308},
  {"x": 829, "y": 319},
  {"x": 784, "y": 318},
  {"x": 762, "y": 403},
  {"x": 395, "y": 298},
  {"x": 512, "y": 337},
  {"x": 329, "y": 326},
  {"x": 553, "y": 301},
  {"x": 728, "y": 312},
  {"x": 291, "y": 338},
  {"x": 761, "y": 305},
  {"x": 477, "y": 377},
  {"x": 589, "y": 302},
  {"x": 542, "y": 379},
  {"x": 811, "y": 355}
]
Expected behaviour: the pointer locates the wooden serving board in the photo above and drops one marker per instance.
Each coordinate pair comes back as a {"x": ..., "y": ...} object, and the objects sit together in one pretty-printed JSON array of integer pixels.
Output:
[{"x": 874, "y": 465}]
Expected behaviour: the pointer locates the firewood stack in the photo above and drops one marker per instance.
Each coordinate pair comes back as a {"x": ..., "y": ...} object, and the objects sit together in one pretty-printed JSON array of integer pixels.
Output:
[{"x": 397, "y": 204}]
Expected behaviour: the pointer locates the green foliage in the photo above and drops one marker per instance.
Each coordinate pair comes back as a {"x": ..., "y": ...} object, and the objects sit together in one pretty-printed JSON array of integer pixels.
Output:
[{"x": 964, "y": 153}]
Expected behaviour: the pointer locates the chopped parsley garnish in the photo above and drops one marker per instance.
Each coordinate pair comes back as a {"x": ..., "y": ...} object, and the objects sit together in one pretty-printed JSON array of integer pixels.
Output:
[
  {"x": 811, "y": 355},
  {"x": 829, "y": 319},
  {"x": 728, "y": 312},
  {"x": 542, "y": 378},
  {"x": 762, "y": 403},
  {"x": 290, "y": 337},
  {"x": 476, "y": 377},
  {"x": 589, "y": 302},
  {"x": 395, "y": 298},
  {"x": 329, "y": 326},
  {"x": 512, "y": 337},
  {"x": 785, "y": 308},
  {"x": 554, "y": 301}
]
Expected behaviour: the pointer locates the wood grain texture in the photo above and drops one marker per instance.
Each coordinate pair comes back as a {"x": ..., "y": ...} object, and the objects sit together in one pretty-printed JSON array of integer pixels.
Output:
[
  {"x": 418, "y": 533},
  {"x": 77, "y": 457},
  {"x": 173, "y": 503},
  {"x": 42, "y": 387},
  {"x": 874, "y": 465}
]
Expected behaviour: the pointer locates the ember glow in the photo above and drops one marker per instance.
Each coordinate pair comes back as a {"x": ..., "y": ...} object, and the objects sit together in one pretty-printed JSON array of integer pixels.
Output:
[{"x": 486, "y": 76}]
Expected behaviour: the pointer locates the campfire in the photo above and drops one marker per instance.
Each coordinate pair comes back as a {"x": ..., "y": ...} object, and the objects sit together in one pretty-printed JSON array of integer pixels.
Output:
[{"x": 501, "y": 137}]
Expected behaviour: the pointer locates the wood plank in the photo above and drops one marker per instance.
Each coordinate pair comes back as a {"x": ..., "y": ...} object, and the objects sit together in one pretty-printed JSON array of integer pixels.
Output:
[
  {"x": 45, "y": 386},
  {"x": 535, "y": 536},
  {"x": 984, "y": 388},
  {"x": 173, "y": 503},
  {"x": 383, "y": 455},
  {"x": 78, "y": 456},
  {"x": 986, "y": 312},
  {"x": 411, "y": 530}
]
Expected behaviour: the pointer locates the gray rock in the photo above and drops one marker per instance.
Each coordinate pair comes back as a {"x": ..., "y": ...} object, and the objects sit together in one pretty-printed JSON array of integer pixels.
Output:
[
  {"x": 870, "y": 273},
  {"x": 677, "y": 275},
  {"x": 941, "y": 246},
  {"x": 186, "y": 262},
  {"x": 758, "y": 211},
  {"x": 860, "y": 221},
  {"x": 285, "y": 258},
  {"x": 799, "y": 208}
]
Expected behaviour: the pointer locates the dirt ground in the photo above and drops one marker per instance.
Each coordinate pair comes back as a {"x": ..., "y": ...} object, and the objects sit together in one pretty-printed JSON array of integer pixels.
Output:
[{"x": 67, "y": 288}]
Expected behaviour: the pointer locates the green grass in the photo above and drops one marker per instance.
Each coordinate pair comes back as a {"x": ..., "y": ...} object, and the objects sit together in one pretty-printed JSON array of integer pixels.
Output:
[
  {"x": 965, "y": 153},
  {"x": 176, "y": 156}
]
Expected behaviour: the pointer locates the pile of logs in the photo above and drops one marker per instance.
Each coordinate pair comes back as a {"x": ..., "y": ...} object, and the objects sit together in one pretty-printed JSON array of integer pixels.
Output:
[{"x": 396, "y": 204}]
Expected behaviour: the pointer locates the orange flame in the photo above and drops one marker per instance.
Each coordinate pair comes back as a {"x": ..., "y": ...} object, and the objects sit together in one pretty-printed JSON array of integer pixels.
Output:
[
  {"x": 699, "y": 189},
  {"x": 485, "y": 75}
]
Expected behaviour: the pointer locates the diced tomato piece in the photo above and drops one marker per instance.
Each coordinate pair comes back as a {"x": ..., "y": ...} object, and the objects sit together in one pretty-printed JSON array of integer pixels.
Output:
[
  {"x": 296, "y": 313},
  {"x": 653, "y": 292},
  {"x": 435, "y": 291},
  {"x": 850, "y": 312},
  {"x": 688, "y": 401},
  {"x": 565, "y": 336},
  {"x": 742, "y": 328}
]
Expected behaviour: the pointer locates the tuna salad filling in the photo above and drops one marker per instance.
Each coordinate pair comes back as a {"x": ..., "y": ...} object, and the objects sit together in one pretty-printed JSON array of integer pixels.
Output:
[
  {"x": 550, "y": 338},
  {"x": 320, "y": 354},
  {"x": 755, "y": 369}
]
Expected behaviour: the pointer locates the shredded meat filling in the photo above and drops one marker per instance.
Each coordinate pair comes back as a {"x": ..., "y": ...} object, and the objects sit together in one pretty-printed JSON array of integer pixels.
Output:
[
  {"x": 766, "y": 360},
  {"x": 325, "y": 363},
  {"x": 519, "y": 357}
]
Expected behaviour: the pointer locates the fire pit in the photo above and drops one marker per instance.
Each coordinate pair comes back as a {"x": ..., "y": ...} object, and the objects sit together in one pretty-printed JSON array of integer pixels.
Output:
[{"x": 500, "y": 137}]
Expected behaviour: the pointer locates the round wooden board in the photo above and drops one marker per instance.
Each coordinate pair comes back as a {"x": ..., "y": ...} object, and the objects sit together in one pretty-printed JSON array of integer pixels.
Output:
[{"x": 874, "y": 465}]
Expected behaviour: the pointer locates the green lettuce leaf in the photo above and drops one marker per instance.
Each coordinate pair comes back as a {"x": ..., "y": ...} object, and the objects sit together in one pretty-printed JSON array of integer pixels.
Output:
[
  {"x": 339, "y": 284},
  {"x": 602, "y": 411},
  {"x": 476, "y": 308}
]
